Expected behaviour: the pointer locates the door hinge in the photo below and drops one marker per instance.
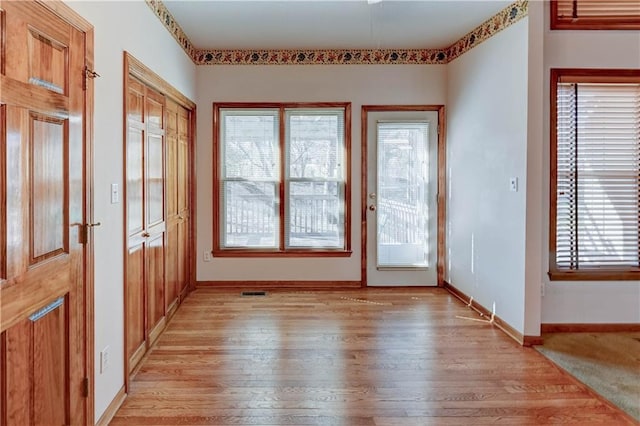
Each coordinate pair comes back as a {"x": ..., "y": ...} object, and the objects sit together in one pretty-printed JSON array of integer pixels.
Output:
[
  {"x": 88, "y": 73},
  {"x": 85, "y": 387}
]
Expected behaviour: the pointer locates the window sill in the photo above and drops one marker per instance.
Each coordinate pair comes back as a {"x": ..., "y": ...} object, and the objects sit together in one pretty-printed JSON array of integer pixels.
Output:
[
  {"x": 595, "y": 25},
  {"x": 275, "y": 253},
  {"x": 595, "y": 275}
]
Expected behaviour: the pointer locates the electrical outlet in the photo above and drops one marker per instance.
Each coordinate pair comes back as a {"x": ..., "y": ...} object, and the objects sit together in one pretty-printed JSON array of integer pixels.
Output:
[
  {"x": 207, "y": 256},
  {"x": 104, "y": 359}
]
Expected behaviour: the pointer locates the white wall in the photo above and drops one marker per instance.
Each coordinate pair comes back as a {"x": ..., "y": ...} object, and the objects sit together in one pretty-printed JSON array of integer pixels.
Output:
[
  {"x": 359, "y": 84},
  {"x": 133, "y": 27},
  {"x": 486, "y": 146},
  {"x": 535, "y": 212},
  {"x": 585, "y": 301}
]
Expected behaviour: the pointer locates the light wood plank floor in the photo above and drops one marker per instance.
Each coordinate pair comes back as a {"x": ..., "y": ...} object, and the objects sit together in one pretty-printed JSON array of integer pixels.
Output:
[{"x": 357, "y": 357}]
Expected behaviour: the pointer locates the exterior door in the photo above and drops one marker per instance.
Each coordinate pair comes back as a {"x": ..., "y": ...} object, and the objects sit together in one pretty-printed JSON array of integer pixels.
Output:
[
  {"x": 401, "y": 198},
  {"x": 145, "y": 186},
  {"x": 43, "y": 339}
]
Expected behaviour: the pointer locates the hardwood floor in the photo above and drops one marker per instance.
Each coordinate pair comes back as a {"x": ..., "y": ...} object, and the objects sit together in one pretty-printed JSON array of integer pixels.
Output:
[{"x": 354, "y": 357}]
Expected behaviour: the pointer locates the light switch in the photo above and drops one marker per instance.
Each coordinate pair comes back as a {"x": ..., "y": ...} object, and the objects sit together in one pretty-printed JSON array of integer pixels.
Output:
[
  {"x": 115, "y": 193},
  {"x": 513, "y": 184}
]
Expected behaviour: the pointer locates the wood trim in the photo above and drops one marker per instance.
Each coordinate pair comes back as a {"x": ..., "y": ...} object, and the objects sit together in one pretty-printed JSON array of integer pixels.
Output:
[
  {"x": 278, "y": 253},
  {"x": 499, "y": 322},
  {"x": 69, "y": 15},
  {"x": 591, "y": 23},
  {"x": 193, "y": 199},
  {"x": 273, "y": 285},
  {"x": 579, "y": 75},
  {"x": 112, "y": 409},
  {"x": 590, "y": 328},
  {"x": 125, "y": 221},
  {"x": 143, "y": 73},
  {"x": 89, "y": 260},
  {"x": 442, "y": 182},
  {"x": 282, "y": 251},
  {"x": 529, "y": 341}
]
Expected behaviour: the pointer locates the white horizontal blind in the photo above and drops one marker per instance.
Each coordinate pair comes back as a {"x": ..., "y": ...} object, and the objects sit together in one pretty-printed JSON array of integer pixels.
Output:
[
  {"x": 608, "y": 9},
  {"x": 315, "y": 178},
  {"x": 598, "y": 176},
  {"x": 250, "y": 178}
]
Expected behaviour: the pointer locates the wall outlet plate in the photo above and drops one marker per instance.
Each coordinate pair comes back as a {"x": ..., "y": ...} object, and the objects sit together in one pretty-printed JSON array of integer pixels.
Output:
[{"x": 104, "y": 359}]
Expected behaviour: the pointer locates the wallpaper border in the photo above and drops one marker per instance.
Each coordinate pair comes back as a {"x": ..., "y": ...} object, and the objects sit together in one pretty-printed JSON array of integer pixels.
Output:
[{"x": 500, "y": 21}]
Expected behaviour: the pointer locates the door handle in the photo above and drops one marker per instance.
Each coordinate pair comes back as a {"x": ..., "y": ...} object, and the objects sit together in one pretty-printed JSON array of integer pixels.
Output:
[
  {"x": 372, "y": 207},
  {"x": 93, "y": 225},
  {"x": 146, "y": 234}
]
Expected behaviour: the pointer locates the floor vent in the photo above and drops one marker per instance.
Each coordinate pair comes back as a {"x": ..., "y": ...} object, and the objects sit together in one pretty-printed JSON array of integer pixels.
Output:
[{"x": 253, "y": 293}]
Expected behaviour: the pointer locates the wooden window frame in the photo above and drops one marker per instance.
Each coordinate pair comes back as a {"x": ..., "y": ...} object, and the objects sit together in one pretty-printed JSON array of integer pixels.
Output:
[
  {"x": 282, "y": 251},
  {"x": 592, "y": 22},
  {"x": 580, "y": 76}
]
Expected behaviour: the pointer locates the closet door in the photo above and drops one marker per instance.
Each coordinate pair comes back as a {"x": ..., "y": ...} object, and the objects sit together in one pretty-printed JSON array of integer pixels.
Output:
[
  {"x": 184, "y": 199},
  {"x": 178, "y": 136},
  {"x": 145, "y": 181},
  {"x": 172, "y": 287}
]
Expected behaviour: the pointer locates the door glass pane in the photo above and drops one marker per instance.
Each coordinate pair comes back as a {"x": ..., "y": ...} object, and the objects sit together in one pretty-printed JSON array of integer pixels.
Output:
[{"x": 402, "y": 207}]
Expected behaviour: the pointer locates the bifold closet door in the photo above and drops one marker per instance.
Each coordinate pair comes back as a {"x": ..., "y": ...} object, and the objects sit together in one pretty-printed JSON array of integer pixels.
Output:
[{"x": 146, "y": 240}]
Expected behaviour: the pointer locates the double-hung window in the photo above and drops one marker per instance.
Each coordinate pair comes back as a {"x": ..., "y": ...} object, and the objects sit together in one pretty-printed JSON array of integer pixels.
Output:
[
  {"x": 595, "y": 174},
  {"x": 281, "y": 179},
  {"x": 595, "y": 15}
]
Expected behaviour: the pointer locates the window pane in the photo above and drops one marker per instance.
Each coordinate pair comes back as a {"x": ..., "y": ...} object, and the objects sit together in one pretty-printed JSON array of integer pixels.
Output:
[
  {"x": 315, "y": 142},
  {"x": 250, "y": 214},
  {"x": 315, "y": 214},
  {"x": 250, "y": 145}
]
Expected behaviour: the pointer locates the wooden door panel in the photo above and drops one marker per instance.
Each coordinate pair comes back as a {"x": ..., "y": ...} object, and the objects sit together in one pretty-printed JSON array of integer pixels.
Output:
[
  {"x": 155, "y": 181},
  {"x": 183, "y": 162},
  {"x": 39, "y": 383},
  {"x": 50, "y": 349},
  {"x": 155, "y": 285},
  {"x": 3, "y": 188},
  {"x": 15, "y": 371},
  {"x": 43, "y": 40},
  {"x": 172, "y": 259},
  {"x": 183, "y": 255},
  {"x": 135, "y": 299},
  {"x": 48, "y": 184},
  {"x": 135, "y": 180},
  {"x": 47, "y": 61}
]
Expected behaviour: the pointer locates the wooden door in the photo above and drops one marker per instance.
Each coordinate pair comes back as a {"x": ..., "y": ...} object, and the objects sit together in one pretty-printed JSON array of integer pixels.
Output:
[
  {"x": 145, "y": 148},
  {"x": 43, "y": 362},
  {"x": 178, "y": 202},
  {"x": 183, "y": 199}
]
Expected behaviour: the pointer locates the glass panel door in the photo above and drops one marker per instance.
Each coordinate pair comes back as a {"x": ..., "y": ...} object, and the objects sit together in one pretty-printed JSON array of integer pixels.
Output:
[{"x": 402, "y": 177}]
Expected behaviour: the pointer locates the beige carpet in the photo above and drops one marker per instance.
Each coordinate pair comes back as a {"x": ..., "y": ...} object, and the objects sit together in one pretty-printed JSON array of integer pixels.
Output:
[{"x": 609, "y": 363}]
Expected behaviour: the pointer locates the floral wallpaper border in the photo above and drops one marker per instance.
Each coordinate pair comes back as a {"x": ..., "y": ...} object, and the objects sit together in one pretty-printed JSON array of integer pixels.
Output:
[
  {"x": 169, "y": 22},
  {"x": 503, "y": 19}
]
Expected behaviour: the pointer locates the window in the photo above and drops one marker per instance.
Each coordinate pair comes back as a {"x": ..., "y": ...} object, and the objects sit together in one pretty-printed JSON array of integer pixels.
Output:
[
  {"x": 281, "y": 179},
  {"x": 595, "y": 15},
  {"x": 595, "y": 174}
]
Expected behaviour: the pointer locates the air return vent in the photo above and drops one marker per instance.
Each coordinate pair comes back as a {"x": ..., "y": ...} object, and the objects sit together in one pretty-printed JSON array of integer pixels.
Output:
[{"x": 253, "y": 293}]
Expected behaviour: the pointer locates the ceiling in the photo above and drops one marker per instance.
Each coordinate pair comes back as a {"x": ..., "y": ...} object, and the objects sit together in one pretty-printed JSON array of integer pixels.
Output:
[{"x": 329, "y": 24}]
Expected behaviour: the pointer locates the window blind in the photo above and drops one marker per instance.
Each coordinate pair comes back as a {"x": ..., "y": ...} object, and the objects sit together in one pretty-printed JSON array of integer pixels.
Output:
[
  {"x": 608, "y": 9},
  {"x": 598, "y": 176}
]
